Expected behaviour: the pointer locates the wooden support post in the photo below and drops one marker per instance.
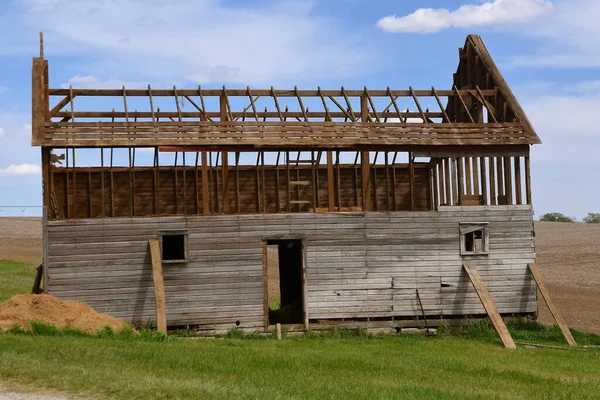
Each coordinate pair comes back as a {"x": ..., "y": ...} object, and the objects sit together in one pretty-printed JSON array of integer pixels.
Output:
[
  {"x": 411, "y": 167},
  {"x": 365, "y": 162},
  {"x": 387, "y": 182},
  {"x": 264, "y": 183},
  {"x": 289, "y": 178},
  {"x": 278, "y": 331},
  {"x": 156, "y": 181},
  {"x": 330, "y": 182},
  {"x": 508, "y": 180},
  {"x": 475, "y": 176},
  {"x": 537, "y": 275},
  {"x": 205, "y": 186},
  {"x": 447, "y": 184},
  {"x": 500, "y": 179},
  {"x": 528, "y": 180},
  {"x": 374, "y": 185},
  {"x": 337, "y": 181},
  {"x": 365, "y": 166},
  {"x": 223, "y": 105},
  {"x": 38, "y": 101},
  {"x": 493, "y": 199},
  {"x": 455, "y": 179},
  {"x": 484, "y": 186},
  {"x": 394, "y": 187},
  {"x": 435, "y": 184},
  {"x": 237, "y": 182},
  {"x": 159, "y": 288},
  {"x": 46, "y": 187},
  {"x": 468, "y": 183},
  {"x": 518, "y": 188},
  {"x": 489, "y": 306},
  {"x": 460, "y": 181}
]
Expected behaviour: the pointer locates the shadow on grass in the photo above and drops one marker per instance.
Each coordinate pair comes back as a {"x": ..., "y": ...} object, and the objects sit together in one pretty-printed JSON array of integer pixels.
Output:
[
  {"x": 521, "y": 331},
  {"x": 531, "y": 332}
]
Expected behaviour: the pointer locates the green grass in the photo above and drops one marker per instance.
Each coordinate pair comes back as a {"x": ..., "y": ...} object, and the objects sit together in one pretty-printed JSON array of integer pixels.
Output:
[
  {"x": 460, "y": 363},
  {"x": 335, "y": 364},
  {"x": 15, "y": 278},
  {"x": 274, "y": 304}
]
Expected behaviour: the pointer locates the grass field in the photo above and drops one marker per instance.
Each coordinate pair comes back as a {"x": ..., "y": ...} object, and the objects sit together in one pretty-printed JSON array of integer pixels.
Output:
[
  {"x": 446, "y": 367},
  {"x": 15, "y": 278},
  {"x": 338, "y": 364}
]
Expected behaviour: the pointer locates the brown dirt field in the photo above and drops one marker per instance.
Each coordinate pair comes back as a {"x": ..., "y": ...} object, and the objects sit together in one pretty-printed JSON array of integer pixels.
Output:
[
  {"x": 21, "y": 239},
  {"x": 568, "y": 255}
]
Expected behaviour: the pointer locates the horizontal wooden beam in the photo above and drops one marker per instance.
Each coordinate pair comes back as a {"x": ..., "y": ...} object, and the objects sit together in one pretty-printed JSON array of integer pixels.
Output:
[
  {"x": 241, "y": 167},
  {"x": 258, "y": 92},
  {"x": 315, "y": 135},
  {"x": 236, "y": 115}
]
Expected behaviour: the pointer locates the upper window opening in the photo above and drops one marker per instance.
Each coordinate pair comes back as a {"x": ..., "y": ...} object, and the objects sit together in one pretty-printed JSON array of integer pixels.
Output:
[
  {"x": 174, "y": 247},
  {"x": 474, "y": 238}
]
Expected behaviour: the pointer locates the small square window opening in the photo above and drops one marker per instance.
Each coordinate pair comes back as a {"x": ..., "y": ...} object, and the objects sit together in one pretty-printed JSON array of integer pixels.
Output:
[
  {"x": 173, "y": 247},
  {"x": 474, "y": 239}
]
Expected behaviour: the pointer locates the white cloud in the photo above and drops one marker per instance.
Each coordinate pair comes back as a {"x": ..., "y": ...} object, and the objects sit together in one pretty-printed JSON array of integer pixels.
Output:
[
  {"x": 429, "y": 20},
  {"x": 565, "y": 121},
  {"x": 21, "y": 169},
  {"x": 572, "y": 31},
  {"x": 202, "y": 41},
  {"x": 91, "y": 81},
  {"x": 2, "y": 132},
  {"x": 3, "y": 89}
]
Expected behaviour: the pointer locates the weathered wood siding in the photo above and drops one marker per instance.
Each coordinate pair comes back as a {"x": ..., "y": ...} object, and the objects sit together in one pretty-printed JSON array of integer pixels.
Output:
[{"x": 358, "y": 265}]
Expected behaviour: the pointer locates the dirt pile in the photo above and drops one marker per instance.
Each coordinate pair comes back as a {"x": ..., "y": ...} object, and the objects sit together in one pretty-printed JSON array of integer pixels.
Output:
[{"x": 22, "y": 309}]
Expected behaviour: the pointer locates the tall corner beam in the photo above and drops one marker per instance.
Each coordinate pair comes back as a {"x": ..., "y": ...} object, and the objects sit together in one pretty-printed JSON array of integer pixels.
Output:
[
  {"x": 224, "y": 105},
  {"x": 537, "y": 276},
  {"x": 489, "y": 306},
  {"x": 364, "y": 156},
  {"x": 39, "y": 100},
  {"x": 159, "y": 287}
]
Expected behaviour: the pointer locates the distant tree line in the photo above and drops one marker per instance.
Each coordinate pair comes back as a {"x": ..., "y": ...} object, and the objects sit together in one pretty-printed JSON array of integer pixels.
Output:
[{"x": 591, "y": 218}]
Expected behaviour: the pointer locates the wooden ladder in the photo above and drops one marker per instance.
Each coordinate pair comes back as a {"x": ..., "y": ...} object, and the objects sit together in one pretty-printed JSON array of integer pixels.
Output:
[{"x": 298, "y": 183}]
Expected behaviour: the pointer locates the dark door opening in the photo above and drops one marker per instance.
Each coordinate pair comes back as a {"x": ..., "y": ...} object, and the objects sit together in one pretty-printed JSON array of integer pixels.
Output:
[{"x": 284, "y": 282}]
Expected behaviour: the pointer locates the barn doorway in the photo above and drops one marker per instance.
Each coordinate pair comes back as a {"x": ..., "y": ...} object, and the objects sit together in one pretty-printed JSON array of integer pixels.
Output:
[{"x": 285, "y": 277}]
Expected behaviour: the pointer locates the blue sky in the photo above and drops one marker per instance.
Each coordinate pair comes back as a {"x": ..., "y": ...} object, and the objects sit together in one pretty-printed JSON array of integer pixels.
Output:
[{"x": 547, "y": 50}]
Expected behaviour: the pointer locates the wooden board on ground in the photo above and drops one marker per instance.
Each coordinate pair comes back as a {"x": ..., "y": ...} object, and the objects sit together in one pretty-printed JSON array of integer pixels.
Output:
[
  {"x": 159, "y": 288},
  {"x": 537, "y": 275},
  {"x": 489, "y": 306}
]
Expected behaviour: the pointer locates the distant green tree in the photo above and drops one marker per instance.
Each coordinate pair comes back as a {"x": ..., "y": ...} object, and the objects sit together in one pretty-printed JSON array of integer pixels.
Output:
[
  {"x": 556, "y": 217},
  {"x": 592, "y": 218}
]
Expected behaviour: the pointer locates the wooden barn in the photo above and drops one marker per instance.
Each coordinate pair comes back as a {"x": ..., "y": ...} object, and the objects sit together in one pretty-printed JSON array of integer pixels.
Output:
[{"x": 310, "y": 208}]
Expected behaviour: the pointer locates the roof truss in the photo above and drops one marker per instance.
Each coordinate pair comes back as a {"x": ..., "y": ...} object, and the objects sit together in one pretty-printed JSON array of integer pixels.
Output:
[{"x": 478, "y": 110}]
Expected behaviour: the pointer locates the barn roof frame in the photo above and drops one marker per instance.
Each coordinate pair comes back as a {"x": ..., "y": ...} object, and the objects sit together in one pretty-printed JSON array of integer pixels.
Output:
[{"x": 479, "y": 110}]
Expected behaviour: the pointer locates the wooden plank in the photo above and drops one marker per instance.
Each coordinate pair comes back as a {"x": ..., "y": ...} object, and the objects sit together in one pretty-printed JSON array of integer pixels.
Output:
[
  {"x": 365, "y": 180},
  {"x": 528, "y": 180},
  {"x": 330, "y": 182},
  {"x": 455, "y": 179},
  {"x": 205, "y": 185},
  {"x": 493, "y": 198},
  {"x": 484, "y": 176},
  {"x": 159, "y": 288},
  {"x": 411, "y": 172},
  {"x": 537, "y": 275},
  {"x": 489, "y": 306},
  {"x": 508, "y": 182},
  {"x": 38, "y": 101},
  {"x": 518, "y": 188}
]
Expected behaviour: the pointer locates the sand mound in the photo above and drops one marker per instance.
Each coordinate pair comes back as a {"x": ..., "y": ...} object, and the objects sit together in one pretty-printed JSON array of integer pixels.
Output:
[{"x": 21, "y": 310}]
